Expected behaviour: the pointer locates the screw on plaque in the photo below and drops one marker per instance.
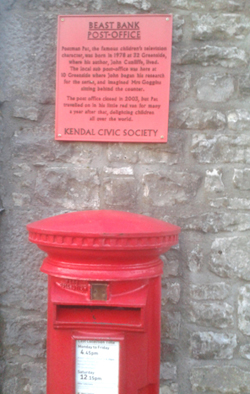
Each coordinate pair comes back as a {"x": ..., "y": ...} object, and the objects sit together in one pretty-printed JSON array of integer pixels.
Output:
[
  {"x": 62, "y": 19},
  {"x": 167, "y": 19}
]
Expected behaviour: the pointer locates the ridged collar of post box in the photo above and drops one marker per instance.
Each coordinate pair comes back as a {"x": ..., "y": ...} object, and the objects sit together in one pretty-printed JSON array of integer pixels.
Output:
[{"x": 101, "y": 240}]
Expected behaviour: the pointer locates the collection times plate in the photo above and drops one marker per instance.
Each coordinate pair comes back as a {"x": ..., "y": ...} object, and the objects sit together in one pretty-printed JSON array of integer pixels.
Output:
[{"x": 97, "y": 367}]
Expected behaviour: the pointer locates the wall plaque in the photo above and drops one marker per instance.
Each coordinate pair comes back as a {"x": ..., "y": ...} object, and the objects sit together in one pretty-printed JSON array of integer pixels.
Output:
[{"x": 113, "y": 78}]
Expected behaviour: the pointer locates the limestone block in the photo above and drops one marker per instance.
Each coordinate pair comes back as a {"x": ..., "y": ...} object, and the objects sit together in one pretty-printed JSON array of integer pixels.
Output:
[
  {"x": 25, "y": 110},
  {"x": 178, "y": 22},
  {"x": 20, "y": 199},
  {"x": 166, "y": 189},
  {"x": 55, "y": 4},
  {"x": 221, "y": 27},
  {"x": 211, "y": 314},
  {"x": 213, "y": 181},
  {"x": 244, "y": 84},
  {"x": 215, "y": 88},
  {"x": 238, "y": 119},
  {"x": 35, "y": 376},
  {"x": 219, "y": 148},
  {"x": 215, "y": 5},
  {"x": 171, "y": 322},
  {"x": 245, "y": 351},
  {"x": 29, "y": 334},
  {"x": 213, "y": 291},
  {"x": 139, "y": 4},
  {"x": 213, "y": 222},
  {"x": 195, "y": 259},
  {"x": 71, "y": 187},
  {"x": 228, "y": 5},
  {"x": 150, "y": 155},
  {"x": 118, "y": 171},
  {"x": 241, "y": 179},
  {"x": 172, "y": 293},
  {"x": 230, "y": 257},
  {"x": 168, "y": 351},
  {"x": 168, "y": 371},
  {"x": 171, "y": 265},
  {"x": 127, "y": 153},
  {"x": 182, "y": 4},
  {"x": 120, "y": 191},
  {"x": 212, "y": 345},
  {"x": 180, "y": 85},
  {"x": 244, "y": 309},
  {"x": 220, "y": 379},
  {"x": 29, "y": 58},
  {"x": 211, "y": 55},
  {"x": 172, "y": 388},
  {"x": 230, "y": 203},
  {"x": 197, "y": 119}
]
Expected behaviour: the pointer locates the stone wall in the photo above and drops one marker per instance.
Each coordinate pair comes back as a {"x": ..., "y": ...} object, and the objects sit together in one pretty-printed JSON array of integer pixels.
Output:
[{"x": 199, "y": 180}]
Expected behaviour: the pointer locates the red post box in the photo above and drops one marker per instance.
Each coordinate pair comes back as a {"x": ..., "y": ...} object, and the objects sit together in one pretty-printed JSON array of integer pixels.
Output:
[{"x": 104, "y": 300}]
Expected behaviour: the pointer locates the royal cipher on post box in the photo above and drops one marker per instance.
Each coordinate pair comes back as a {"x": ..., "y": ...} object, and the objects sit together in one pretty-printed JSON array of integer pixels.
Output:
[{"x": 104, "y": 300}]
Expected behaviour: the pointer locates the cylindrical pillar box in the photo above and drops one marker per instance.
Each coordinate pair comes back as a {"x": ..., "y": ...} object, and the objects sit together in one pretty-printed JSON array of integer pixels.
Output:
[{"x": 104, "y": 301}]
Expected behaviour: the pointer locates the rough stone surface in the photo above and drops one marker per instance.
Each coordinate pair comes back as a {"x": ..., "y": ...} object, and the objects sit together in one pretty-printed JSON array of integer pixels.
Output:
[
  {"x": 188, "y": 118},
  {"x": 227, "y": 380},
  {"x": 211, "y": 55},
  {"x": 180, "y": 85},
  {"x": 168, "y": 371},
  {"x": 26, "y": 334},
  {"x": 216, "y": 291},
  {"x": 244, "y": 309},
  {"x": 241, "y": 178},
  {"x": 172, "y": 388},
  {"x": 244, "y": 84},
  {"x": 216, "y": 88},
  {"x": 212, "y": 345},
  {"x": 220, "y": 27},
  {"x": 208, "y": 148},
  {"x": 230, "y": 257},
  {"x": 178, "y": 22},
  {"x": 120, "y": 191},
  {"x": 171, "y": 322},
  {"x": 35, "y": 374},
  {"x": 215, "y": 222},
  {"x": 213, "y": 181},
  {"x": 26, "y": 112},
  {"x": 195, "y": 259},
  {"x": 140, "y": 4},
  {"x": 211, "y": 314},
  {"x": 230, "y": 203},
  {"x": 245, "y": 351},
  {"x": 238, "y": 119},
  {"x": 172, "y": 293},
  {"x": 70, "y": 187},
  {"x": 171, "y": 265},
  {"x": 162, "y": 189}
]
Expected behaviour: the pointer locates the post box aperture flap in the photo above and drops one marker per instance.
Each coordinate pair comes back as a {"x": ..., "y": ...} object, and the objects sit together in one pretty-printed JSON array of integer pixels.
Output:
[{"x": 103, "y": 300}]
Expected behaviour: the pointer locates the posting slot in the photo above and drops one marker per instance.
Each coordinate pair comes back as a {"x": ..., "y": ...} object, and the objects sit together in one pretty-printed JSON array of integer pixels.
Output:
[{"x": 76, "y": 315}]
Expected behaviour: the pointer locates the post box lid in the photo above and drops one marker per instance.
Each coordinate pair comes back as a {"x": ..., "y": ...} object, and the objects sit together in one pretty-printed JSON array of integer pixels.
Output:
[
  {"x": 102, "y": 224},
  {"x": 82, "y": 239}
]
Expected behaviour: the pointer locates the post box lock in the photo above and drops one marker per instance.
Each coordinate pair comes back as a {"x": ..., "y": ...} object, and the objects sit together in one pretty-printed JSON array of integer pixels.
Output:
[
  {"x": 99, "y": 291},
  {"x": 104, "y": 300}
]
